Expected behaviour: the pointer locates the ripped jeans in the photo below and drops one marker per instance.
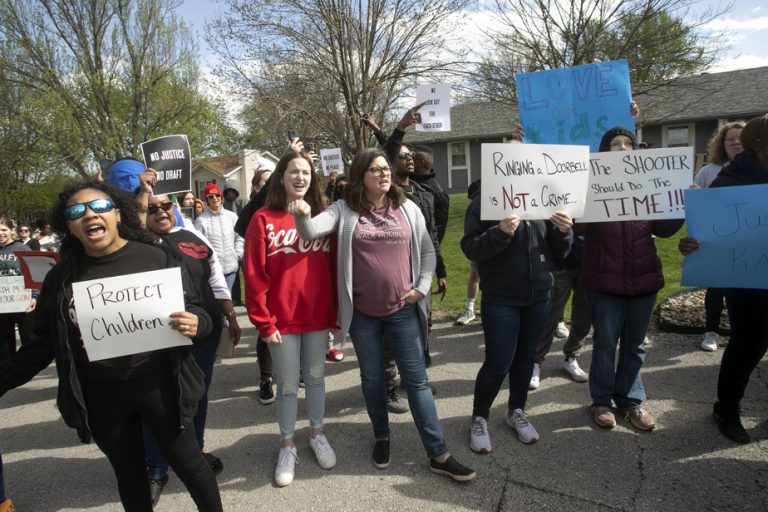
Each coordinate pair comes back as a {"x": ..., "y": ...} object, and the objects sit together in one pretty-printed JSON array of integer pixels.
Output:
[{"x": 303, "y": 352}]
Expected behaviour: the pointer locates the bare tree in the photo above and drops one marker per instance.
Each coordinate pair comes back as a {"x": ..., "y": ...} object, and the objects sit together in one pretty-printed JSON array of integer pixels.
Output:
[
  {"x": 660, "y": 38},
  {"x": 115, "y": 73},
  {"x": 338, "y": 57}
]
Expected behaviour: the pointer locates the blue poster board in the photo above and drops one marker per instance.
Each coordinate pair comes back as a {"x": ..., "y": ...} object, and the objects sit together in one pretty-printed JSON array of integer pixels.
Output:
[
  {"x": 732, "y": 225},
  {"x": 575, "y": 105}
]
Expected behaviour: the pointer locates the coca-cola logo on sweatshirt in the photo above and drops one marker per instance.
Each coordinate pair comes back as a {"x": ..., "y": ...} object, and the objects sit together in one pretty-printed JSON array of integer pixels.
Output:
[{"x": 289, "y": 242}]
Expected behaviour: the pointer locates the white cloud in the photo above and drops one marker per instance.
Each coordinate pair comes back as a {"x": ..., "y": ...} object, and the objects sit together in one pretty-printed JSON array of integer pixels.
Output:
[
  {"x": 757, "y": 9},
  {"x": 736, "y": 25},
  {"x": 744, "y": 61}
]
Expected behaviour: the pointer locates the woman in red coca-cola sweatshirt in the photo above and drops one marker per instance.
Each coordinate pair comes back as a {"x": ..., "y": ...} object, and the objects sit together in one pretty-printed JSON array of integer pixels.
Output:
[{"x": 291, "y": 299}]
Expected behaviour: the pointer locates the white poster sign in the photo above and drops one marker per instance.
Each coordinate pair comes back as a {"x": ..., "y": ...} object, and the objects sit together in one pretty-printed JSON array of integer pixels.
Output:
[
  {"x": 436, "y": 113},
  {"x": 638, "y": 185},
  {"x": 14, "y": 298},
  {"x": 129, "y": 314},
  {"x": 533, "y": 181},
  {"x": 331, "y": 159}
]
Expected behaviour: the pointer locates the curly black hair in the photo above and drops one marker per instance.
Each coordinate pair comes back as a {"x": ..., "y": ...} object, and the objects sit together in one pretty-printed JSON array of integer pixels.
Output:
[{"x": 129, "y": 227}]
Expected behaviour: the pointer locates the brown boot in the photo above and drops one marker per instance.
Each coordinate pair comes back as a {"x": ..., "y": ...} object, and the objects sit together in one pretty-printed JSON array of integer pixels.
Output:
[
  {"x": 603, "y": 416},
  {"x": 640, "y": 419},
  {"x": 7, "y": 506}
]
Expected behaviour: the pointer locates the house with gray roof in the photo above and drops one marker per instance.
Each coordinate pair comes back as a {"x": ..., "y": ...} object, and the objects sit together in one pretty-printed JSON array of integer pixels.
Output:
[{"x": 684, "y": 112}]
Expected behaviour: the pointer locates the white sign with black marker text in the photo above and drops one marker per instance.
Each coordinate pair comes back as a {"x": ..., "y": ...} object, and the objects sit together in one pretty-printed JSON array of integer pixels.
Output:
[
  {"x": 129, "y": 314},
  {"x": 644, "y": 184},
  {"x": 533, "y": 181},
  {"x": 436, "y": 114},
  {"x": 331, "y": 159}
]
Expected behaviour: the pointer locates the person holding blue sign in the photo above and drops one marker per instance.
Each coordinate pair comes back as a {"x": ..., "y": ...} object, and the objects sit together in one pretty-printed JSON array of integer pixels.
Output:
[
  {"x": 622, "y": 275},
  {"x": 747, "y": 307}
]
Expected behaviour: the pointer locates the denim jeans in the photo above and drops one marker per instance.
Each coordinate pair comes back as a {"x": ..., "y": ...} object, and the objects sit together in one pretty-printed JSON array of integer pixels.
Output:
[
  {"x": 205, "y": 356},
  {"x": 305, "y": 352},
  {"x": 403, "y": 329},
  {"x": 511, "y": 335},
  {"x": 230, "y": 280},
  {"x": 622, "y": 321}
]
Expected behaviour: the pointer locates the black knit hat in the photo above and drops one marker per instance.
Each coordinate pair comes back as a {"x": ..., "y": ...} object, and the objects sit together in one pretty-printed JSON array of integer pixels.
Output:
[{"x": 605, "y": 142}]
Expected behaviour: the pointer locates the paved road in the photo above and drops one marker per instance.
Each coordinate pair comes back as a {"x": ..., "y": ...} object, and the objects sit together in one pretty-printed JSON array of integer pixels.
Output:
[{"x": 684, "y": 465}]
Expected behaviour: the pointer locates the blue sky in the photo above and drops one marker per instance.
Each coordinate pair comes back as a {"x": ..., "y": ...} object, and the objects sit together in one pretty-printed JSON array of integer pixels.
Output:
[{"x": 746, "y": 25}]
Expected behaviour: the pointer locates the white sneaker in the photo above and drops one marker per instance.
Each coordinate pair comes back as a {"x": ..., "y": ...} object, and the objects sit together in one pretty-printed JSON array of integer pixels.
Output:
[
  {"x": 709, "y": 343},
  {"x": 525, "y": 431},
  {"x": 467, "y": 316},
  {"x": 479, "y": 439},
  {"x": 571, "y": 367},
  {"x": 324, "y": 454},
  {"x": 286, "y": 460},
  {"x": 535, "y": 377},
  {"x": 562, "y": 331}
]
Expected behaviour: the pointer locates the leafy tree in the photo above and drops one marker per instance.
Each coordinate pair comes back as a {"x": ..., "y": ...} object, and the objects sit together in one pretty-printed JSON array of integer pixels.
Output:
[
  {"x": 313, "y": 65},
  {"x": 660, "y": 38},
  {"x": 112, "y": 73}
]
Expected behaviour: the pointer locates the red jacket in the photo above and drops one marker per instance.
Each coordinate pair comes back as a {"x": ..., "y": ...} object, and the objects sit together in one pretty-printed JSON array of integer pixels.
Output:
[
  {"x": 620, "y": 258},
  {"x": 289, "y": 282}
]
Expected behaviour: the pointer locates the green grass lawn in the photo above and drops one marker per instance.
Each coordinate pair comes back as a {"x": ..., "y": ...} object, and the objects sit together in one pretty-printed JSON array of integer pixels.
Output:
[{"x": 458, "y": 266}]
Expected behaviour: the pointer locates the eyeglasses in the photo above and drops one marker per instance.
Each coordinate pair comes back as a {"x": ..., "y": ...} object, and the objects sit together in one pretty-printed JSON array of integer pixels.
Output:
[
  {"x": 154, "y": 208},
  {"x": 75, "y": 211},
  {"x": 23, "y": 230},
  {"x": 404, "y": 155},
  {"x": 212, "y": 196},
  {"x": 380, "y": 171}
]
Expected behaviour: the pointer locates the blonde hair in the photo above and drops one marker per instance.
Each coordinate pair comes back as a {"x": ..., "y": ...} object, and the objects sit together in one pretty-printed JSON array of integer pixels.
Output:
[{"x": 716, "y": 149}]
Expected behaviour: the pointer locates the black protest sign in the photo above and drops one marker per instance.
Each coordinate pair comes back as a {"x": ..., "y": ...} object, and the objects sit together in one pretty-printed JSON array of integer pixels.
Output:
[{"x": 170, "y": 157}]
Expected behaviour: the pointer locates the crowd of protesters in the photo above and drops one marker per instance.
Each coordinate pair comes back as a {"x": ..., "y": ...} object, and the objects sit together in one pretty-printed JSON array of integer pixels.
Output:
[{"x": 358, "y": 257}]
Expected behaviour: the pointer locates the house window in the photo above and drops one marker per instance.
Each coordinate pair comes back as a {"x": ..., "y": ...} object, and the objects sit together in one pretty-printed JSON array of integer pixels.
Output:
[
  {"x": 458, "y": 164},
  {"x": 678, "y": 136}
]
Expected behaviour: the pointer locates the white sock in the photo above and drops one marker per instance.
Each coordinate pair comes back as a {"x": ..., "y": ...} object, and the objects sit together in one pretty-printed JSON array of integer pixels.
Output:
[{"x": 470, "y": 304}]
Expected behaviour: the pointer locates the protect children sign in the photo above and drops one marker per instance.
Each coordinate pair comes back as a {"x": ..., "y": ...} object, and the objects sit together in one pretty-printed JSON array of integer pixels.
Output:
[
  {"x": 129, "y": 314},
  {"x": 170, "y": 157}
]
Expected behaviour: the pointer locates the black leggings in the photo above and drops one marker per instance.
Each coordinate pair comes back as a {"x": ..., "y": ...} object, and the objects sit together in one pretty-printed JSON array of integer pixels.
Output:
[
  {"x": 713, "y": 308},
  {"x": 747, "y": 346},
  {"x": 115, "y": 414},
  {"x": 8, "y": 323},
  {"x": 265, "y": 359}
]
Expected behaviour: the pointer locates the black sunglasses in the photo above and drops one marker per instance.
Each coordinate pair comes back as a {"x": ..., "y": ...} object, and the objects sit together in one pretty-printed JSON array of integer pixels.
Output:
[
  {"x": 75, "y": 211},
  {"x": 211, "y": 196},
  {"x": 403, "y": 156},
  {"x": 154, "y": 208}
]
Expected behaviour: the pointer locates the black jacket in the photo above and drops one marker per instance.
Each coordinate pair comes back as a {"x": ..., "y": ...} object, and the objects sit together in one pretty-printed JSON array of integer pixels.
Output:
[
  {"x": 442, "y": 201},
  {"x": 514, "y": 270},
  {"x": 423, "y": 198},
  {"x": 51, "y": 341}
]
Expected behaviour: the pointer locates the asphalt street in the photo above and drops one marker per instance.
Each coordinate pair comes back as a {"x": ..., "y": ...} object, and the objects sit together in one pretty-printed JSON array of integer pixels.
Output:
[{"x": 685, "y": 464}]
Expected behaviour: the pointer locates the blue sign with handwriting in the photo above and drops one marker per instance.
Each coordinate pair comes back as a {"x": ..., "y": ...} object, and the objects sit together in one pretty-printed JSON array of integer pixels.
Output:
[
  {"x": 575, "y": 105},
  {"x": 732, "y": 225}
]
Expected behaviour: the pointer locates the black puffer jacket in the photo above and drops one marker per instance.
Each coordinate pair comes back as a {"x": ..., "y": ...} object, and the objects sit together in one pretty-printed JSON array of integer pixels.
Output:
[{"x": 51, "y": 341}]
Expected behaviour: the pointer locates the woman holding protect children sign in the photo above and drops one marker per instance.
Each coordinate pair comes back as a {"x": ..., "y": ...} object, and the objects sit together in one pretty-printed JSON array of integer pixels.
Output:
[
  {"x": 622, "y": 274},
  {"x": 110, "y": 398}
]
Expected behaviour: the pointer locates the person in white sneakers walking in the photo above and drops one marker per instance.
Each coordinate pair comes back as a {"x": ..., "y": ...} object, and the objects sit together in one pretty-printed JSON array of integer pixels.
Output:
[
  {"x": 291, "y": 299},
  {"x": 514, "y": 260},
  {"x": 566, "y": 280}
]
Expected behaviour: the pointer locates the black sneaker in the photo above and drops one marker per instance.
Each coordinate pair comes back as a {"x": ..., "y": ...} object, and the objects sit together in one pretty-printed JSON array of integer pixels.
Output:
[
  {"x": 266, "y": 394},
  {"x": 156, "y": 488},
  {"x": 730, "y": 426},
  {"x": 395, "y": 403},
  {"x": 453, "y": 469},
  {"x": 216, "y": 465},
  {"x": 381, "y": 454}
]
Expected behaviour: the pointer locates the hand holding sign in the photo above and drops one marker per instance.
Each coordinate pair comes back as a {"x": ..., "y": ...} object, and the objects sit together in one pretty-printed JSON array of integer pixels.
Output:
[
  {"x": 508, "y": 226},
  {"x": 184, "y": 322}
]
